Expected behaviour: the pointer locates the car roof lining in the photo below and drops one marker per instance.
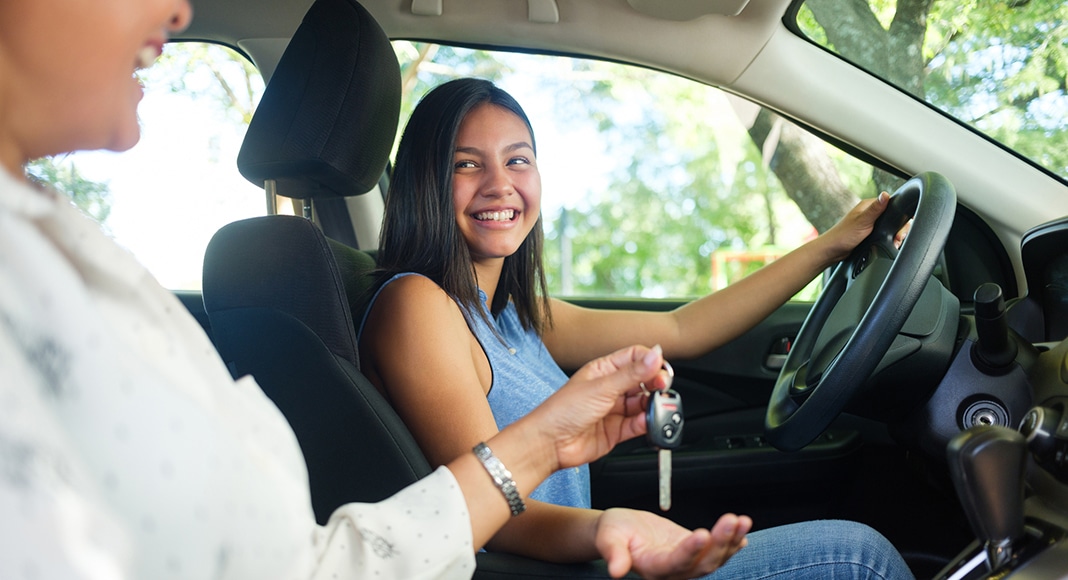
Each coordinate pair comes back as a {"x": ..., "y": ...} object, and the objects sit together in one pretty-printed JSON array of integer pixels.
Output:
[{"x": 505, "y": 22}]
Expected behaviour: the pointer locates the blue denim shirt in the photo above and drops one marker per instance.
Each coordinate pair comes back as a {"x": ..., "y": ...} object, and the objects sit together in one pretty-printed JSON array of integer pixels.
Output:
[{"x": 524, "y": 375}]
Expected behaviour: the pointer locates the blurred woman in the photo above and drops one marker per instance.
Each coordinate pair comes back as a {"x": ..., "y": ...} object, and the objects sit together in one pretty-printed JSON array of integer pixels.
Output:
[{"x": 127, "y": 451}]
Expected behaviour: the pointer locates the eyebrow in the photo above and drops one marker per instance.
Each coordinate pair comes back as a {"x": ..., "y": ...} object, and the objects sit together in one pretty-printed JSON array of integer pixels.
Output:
[{"x": 510, "y": 148}]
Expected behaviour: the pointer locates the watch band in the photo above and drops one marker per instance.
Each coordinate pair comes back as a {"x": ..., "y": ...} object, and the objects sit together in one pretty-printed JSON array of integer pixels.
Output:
[{"x": 501, "y": 477}]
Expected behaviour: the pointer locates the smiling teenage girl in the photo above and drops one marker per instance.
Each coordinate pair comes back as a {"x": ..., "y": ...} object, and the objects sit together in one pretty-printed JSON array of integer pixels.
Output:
[{"x": 462, "y": 293}]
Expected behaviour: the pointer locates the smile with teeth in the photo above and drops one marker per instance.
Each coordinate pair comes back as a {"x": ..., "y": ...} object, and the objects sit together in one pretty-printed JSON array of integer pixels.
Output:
[{"x": 506, "y": 215}]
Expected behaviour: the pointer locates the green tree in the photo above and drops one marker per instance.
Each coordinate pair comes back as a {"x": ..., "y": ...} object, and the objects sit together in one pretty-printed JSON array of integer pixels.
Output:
[
  {"x": 203, "y": 71},
  {"x": 999, "y": 66},
  {"x": 425, "y": 65},
  {"x": 667, "y": 208},
  {"x": 94, "y": 198},
  {"x": 930, "y": 49}
]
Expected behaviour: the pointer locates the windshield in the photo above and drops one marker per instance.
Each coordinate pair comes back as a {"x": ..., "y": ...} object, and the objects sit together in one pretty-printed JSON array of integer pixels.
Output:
[{"x": 998, "y": 66}]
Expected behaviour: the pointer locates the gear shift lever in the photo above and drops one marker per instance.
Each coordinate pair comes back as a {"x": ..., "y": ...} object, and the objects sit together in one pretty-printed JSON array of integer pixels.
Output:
[{"x": 987, "y": 465}]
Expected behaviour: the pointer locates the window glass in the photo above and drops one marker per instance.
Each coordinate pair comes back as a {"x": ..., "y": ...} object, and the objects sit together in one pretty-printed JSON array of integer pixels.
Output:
[
  {"x": 998, "y": 66},
  {"x": 656, "y": 186},
  {"x": 166, "y": 197}
]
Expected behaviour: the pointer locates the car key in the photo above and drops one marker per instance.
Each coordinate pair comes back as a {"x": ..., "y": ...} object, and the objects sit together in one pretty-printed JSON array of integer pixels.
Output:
[{"x": 664, "y": 422}]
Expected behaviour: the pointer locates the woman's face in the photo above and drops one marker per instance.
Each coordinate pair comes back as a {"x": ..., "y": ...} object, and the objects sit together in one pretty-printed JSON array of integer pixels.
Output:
[
  {"x": 496, "y": 184},
  {"x": 67, "y": 71}
]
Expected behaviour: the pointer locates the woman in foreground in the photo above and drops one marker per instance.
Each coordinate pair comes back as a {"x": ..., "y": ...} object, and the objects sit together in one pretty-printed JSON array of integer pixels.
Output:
[{"x": 127, "y": 451}]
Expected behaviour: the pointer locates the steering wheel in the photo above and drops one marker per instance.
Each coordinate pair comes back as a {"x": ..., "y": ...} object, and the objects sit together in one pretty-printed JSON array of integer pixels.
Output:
[{"x": 863, "y": 307}]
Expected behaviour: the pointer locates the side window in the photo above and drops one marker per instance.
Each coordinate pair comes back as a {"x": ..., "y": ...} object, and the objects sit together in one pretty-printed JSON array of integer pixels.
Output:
[
  {"x": 656, "y": 186},
  {"x": 166, "y": 197}
]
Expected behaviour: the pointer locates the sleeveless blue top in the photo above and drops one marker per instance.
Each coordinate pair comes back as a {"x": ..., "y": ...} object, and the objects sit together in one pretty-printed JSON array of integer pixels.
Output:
[{"x": 524, "y": 375}]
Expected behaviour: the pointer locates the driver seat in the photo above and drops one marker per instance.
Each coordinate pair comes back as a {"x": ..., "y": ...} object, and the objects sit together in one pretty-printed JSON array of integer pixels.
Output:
[{"x": 280, "y": 295}]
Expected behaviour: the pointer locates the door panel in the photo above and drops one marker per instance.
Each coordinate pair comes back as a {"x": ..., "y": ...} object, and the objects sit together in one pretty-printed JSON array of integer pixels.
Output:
[{"x": 737, "y": 375}]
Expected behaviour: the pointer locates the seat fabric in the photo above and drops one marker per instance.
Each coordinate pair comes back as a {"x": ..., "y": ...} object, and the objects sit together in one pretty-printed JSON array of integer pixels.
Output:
[{"x": 280, "y": 312}]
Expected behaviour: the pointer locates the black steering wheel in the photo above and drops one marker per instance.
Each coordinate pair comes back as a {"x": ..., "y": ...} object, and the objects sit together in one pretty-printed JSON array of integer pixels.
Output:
[{"x": 859, "y": 313}]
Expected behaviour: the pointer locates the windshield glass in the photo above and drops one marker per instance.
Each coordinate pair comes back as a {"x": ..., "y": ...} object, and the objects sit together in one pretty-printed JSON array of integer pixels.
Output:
[{"x": 999, "y": 66}]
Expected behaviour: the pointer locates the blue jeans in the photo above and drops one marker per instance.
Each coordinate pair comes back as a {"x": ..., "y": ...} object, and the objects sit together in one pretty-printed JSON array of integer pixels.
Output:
[{"x": 816, "y": 550}]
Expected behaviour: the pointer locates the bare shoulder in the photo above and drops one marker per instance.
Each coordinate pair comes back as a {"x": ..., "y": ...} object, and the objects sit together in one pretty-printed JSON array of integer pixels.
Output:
[
  {"x": 418, "y": 350},
  {"x": 414, "y": 296},
  {"x": 413, "y": 314}
]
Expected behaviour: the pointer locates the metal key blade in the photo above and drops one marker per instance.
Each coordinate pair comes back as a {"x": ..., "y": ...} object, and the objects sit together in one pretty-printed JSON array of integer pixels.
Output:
[{"x": 664, "y": 465}]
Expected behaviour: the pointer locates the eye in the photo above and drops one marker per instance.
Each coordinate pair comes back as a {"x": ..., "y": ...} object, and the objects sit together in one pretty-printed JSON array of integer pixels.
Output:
[
  {"x": 464, "y": 164},
  {"x": 519, "y": 160}
]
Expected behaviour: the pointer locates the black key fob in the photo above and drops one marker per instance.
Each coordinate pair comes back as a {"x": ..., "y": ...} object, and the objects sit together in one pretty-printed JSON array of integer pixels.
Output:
[{"x": 664, "y": 419}]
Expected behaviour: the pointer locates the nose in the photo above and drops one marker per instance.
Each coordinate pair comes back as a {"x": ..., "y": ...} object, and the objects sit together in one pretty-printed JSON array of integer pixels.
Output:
[
  {"x": 498, "y": 182},
  {"x": 183, "y": 15}
]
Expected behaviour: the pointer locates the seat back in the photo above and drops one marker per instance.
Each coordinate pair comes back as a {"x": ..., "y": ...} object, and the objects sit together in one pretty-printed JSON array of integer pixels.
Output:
[
  {"x": 280, "y": 312},
  {"x": 276, "y": 297}
]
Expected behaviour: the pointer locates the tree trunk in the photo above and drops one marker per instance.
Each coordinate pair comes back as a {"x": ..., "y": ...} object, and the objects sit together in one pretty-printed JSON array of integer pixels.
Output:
[
  {"x": 798, "y": 159},
  {"x": 802, "y": 165}
]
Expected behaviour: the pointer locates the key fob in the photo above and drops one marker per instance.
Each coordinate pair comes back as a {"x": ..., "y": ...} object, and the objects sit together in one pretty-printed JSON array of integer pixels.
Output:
[{"x": 664, "y": 419}]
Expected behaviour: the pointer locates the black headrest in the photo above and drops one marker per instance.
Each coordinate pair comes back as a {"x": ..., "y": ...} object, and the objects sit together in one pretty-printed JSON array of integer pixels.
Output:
[{"x": 328, "y": 117}]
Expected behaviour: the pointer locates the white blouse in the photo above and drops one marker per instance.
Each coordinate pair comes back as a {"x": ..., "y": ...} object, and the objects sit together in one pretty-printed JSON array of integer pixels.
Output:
[{"x": 127, "y": 451}]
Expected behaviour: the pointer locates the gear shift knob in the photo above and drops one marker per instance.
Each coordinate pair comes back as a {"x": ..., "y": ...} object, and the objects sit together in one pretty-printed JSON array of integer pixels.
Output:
[{"x": 987, "y": 465}]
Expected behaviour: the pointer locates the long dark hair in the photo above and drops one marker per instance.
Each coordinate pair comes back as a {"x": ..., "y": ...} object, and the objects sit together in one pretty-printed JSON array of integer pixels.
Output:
[{"x": 419, "y": 232}]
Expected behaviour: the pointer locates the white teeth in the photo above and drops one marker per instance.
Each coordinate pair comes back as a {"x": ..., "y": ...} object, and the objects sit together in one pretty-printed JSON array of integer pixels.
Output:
[
  {"x": 496, "y": 216},
  {"x": 145, "y": 57}
]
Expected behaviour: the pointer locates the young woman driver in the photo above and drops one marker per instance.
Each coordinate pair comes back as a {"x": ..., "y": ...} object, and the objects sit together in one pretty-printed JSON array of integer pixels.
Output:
[{"x": 463, "y": 339}]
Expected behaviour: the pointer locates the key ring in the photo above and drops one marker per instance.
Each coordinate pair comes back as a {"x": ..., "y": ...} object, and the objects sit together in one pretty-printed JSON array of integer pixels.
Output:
[{"x": 671, "y": 378}]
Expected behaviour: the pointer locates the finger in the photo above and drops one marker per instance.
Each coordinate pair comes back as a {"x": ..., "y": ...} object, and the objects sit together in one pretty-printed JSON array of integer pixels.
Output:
[
  {"x": 900, "y": 235},
  {"x": 700, "y": 553},
  {"x": 660, "y": 381},
  {"x": 745, "y": 525},
  {"x": 726, "y": 538},
  {"x": 694, "y": 552},
  {"x": 635, "y": 364},
  {"x": 617, "y": 556},
  {"x": 734, "y": 535},
  {"x": 878, "y": 205}
]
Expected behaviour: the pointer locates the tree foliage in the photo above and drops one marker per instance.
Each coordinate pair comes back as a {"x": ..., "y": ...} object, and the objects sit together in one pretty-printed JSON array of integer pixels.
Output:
[
  {"x": 203, "y": 71},
  {"x": 997, "y": 65},
  {"x": 94, "y": 198},
  {"x": 1000, "y": 66}
]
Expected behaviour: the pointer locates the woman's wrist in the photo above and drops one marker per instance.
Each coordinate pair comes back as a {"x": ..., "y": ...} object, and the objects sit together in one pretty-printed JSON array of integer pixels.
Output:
[
  {"x": 528, "y": 453},
  {"x": 501, "y": 477},
  {"x": 825, "y": 251}
]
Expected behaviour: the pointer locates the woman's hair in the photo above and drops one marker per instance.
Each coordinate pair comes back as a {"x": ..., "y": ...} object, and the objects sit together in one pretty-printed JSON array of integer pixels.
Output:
[{"x": 420, "y": 233}]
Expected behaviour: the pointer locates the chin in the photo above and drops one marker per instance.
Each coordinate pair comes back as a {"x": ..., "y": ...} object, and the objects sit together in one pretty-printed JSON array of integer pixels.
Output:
[{"x": 125, "y": 140}]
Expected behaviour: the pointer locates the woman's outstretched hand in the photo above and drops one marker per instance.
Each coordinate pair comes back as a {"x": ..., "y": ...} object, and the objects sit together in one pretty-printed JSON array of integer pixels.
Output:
[
  {"x": 601, "y": 405},
  {"x": 656, "y": 547}
]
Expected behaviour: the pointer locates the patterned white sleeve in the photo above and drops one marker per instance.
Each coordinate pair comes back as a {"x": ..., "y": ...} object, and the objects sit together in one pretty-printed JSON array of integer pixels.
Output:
[
  {"x": 52, "y": 524},
  {"x": 423, "y": 531},
  {"x": 127, "y": 451}
]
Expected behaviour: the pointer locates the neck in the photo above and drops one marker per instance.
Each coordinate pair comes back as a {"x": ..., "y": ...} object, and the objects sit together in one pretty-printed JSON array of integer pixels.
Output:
[
  {"x": 12, "y": 153},
  {"x": 11, "y": 160},
  {"x": 487, "y": 275}
]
